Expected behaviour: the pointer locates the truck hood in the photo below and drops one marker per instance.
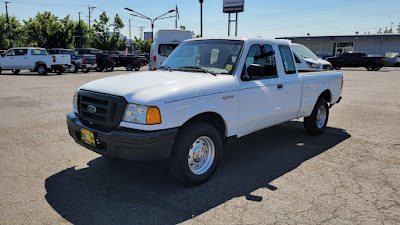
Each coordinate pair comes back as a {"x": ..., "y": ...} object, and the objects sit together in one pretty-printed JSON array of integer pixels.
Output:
[
  {"x": 317, "y": 61},
  {"x": 162, "y": 86}
]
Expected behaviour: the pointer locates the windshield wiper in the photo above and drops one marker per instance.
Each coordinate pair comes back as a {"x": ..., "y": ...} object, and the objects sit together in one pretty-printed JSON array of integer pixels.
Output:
[
  {"x": 198, "y": 69},
  {"x": 165, "y": 67}
]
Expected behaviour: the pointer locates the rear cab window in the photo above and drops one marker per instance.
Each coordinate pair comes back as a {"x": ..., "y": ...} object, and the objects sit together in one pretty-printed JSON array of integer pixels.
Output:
[
  {"x": 166, "y": 49},
  {"x": 287, "y": 59}
]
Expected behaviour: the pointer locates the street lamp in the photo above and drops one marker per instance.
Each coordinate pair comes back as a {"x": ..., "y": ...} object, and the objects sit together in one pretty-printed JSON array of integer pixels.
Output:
[
  {"x": 151, "y": 20},
  {"x": 201, "y": 18}
]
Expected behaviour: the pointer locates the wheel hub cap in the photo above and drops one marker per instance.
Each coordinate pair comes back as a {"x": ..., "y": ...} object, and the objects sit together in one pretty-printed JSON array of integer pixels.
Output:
[
  {"x": 321, "y": 116},
  {"x": 201, "y": 155}
]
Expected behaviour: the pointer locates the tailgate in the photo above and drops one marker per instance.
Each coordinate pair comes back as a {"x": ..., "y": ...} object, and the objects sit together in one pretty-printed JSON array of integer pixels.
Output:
[
  {"x": 63, "y": 59},
  {"x": 89, "y": 59}
]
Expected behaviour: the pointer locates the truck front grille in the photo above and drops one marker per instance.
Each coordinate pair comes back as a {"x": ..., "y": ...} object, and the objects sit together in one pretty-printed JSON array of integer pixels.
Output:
[{"x": 100, "y": 111}]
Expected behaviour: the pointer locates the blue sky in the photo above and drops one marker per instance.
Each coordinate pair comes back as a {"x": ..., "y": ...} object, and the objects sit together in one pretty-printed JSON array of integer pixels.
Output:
[{"x": 261, "y": 18}]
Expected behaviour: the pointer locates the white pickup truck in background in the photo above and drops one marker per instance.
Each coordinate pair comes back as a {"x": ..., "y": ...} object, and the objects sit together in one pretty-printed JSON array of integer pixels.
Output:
[
  {"x": 33, "y": 59},
  {"x": 207, "y": 92}
]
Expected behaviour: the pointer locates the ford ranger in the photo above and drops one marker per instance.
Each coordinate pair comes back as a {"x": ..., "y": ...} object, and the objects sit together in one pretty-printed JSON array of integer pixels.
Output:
[{"x": 206, "y": 93}]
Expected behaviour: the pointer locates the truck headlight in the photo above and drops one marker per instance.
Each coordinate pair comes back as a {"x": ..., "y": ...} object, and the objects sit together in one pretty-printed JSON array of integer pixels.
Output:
[
  {"x": 313, "y": 65},
  {"x": 75, "y": 100},
  {"x": 141, "y": 114}
]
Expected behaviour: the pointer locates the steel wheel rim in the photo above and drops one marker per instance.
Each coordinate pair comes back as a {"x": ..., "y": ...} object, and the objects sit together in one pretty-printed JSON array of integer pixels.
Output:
[
  {"x": 41, "y": 69},
  {"x": 321, "y": 116},
  {"x": 201, "y": 155},
  {"x": 72, "y": 68},
  {"x": 129, "y": 66}
]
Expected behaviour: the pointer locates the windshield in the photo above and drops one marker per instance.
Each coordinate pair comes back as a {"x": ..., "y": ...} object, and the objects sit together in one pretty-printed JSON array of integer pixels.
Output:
[
  {"x": 303, "y": 51},
  {"x": 216, "y": 56}
]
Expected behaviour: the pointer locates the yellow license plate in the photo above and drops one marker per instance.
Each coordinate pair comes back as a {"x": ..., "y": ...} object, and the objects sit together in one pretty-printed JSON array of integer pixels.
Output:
[{"x": 87, "y": 136}]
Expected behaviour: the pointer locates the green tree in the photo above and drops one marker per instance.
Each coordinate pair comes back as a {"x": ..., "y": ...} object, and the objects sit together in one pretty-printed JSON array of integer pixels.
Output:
[
  {"x": 16, "y": 32},
  {"x": 103, "y": 37},
  {"x": 142, "y": 45},
  {"x": 47, "y": 31},
  {"x": 81, "y": 34}
]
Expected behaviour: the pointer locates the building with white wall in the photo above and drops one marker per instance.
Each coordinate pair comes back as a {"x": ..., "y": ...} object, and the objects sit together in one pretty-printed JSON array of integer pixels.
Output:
[{"x": 326, "y": 46}]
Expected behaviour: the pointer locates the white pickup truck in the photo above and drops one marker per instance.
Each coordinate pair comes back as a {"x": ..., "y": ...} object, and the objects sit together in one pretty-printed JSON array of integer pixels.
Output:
[
  {"x": 33, "y": 59},
  {"x": 207, "y": 92}
]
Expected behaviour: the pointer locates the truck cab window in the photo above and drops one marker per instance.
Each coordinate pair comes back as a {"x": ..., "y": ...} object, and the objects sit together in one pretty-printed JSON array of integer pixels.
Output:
[
  {"x": 21, "y": 52},
  {"x": 263, "y": 56},
  {"x": 10, "y": 53},
  {"x": 287, "y": 59}
]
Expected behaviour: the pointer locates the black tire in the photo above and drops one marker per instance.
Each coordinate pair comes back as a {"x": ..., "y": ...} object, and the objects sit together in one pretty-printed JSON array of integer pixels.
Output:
[
  {"x": 129, "y": 67},
  {"x": 1, "y": 70},
  {"x": 377, "y": 68},
  {"x": 138, "y": 68},
  {"x": 86, "y": 70},
  {"x": 59, "y": 72},
  {"x": 41, "y": 69},
  {"x": 15, "y": 71},
  {"x": 337, "y": 67},
  {"x": 311, "y": 122},
  {"x": 178, "y": 162},
  {"x": 112, "y": 68}
]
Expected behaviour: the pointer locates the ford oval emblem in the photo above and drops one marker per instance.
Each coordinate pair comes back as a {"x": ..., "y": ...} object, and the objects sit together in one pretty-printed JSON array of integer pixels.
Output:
[{"x": 91, "y": 108}]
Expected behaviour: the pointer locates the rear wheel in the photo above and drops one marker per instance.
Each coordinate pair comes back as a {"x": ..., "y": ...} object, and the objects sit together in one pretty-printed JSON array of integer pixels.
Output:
[
  {"x": 42, "y": 70},
  {"x": 315, "y": 124},
  {"x": 196, "y": 153},
  {"x": 0, "y": 70},
  {"x": 129, "y": 67},
  {"x": 370, "y": 67},
  {"x": 337, "y": 67},
  {"x": 377, "y": 68},
  {"x": 15, "y": 71},
  {"x": 73, "y": 68},
  {"x": 86, "y": 70},
  {"x": 138, "y": 68}
]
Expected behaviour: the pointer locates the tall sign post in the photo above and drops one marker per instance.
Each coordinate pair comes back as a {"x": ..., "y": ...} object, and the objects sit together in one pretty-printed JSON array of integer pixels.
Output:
[{"x": 233, "y": 6}]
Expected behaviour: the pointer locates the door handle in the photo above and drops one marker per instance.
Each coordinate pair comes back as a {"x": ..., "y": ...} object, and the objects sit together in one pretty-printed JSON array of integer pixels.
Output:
[{"x": 280, "y": 86}]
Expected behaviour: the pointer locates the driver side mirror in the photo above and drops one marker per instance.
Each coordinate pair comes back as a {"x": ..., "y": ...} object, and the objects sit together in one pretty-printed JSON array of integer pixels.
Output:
[{"x": 252, "y": 71}]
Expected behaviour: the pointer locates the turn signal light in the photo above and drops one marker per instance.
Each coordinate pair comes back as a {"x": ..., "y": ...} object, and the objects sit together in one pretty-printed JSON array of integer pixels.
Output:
[
  {"x": 153, "y": 116},
  {"x": 54, "y": 58}
]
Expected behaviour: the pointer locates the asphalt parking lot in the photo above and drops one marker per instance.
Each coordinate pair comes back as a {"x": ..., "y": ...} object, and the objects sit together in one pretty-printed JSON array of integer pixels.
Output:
[{"x": 348, "y": 175}]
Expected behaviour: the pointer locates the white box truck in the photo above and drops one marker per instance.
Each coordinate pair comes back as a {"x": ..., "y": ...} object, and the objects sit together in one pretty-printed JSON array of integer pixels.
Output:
[{"x": 165, "y": 41}]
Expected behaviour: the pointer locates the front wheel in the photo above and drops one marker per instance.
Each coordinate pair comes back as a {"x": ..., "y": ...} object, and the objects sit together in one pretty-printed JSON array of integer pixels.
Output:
[
  {"x": 337, "y": 67},
  {"x": 137, "y": 68},
  {"x": 196, "y": 153},
  {"x": 377, "y": 68},
  {"x": 15, "y": 71},
  {"x": 315, "y": 124}
]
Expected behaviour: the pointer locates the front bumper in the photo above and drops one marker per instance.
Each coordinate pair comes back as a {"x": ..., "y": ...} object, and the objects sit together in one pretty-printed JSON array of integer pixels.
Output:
[{"x": 129, "y": 144}]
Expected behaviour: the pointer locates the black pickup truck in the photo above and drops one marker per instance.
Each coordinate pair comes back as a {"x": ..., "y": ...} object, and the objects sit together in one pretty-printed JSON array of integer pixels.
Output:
[{"x": 356, "y": 59}]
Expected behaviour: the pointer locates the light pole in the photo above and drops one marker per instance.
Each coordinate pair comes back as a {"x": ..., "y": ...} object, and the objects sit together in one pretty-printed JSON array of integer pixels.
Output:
[
  {"x": 201, "y": 18},
  {"x": 8, "y": 25},
  {"x": 151, "y": 20}
]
